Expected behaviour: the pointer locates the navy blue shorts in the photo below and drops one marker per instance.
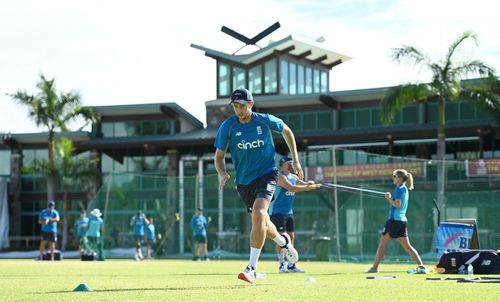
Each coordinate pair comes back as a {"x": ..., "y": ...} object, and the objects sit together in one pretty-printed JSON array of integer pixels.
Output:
[
  {"x": 262, "y": 187},
  {"x": 283, "y": 222},
  {"x": 395, "y": 228},
  {"x": 49, "y": 236},
  {"x": 200, "y": 239}
]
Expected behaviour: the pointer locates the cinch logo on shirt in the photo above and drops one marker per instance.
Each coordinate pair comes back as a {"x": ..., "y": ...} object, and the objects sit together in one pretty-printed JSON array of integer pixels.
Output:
[
  {"x": 250, "y": 145},
  {"x": 289, "y": 193}
]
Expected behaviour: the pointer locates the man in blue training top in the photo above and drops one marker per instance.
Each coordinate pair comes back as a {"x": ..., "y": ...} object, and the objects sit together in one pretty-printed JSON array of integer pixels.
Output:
[
  {"x": 282, "y": 207},
  {"x": 199, "y": 224},
  {"x": 249, "y": 138},
  {"x": 49, "y": 218},
  {"x": 150, "y": 238},
  {"x": 80, "y": 229},
  {"x": 94, "y": 232},
  {"x": 138, "y": 222}
]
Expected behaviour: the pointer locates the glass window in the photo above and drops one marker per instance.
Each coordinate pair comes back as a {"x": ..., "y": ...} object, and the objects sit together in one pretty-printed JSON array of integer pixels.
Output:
[
  {"x": 134, "y": 128},
  {"x": 255, "y": 79},
  {"x": 29, "y": 155},
  {"x": 363, "y": 118},
  {"x": 120, "y": 129},
  {"x": 284, "y": 77},
  {"x": 409, "y": 114},
  {"x": 271, "y": 76},
  {"x": 451, "y": 111},
  {"x": 293, "y": 78},
  {"x": 310, "y": 121},
  {"x": 347, "y": 119},
  {"x": 107, "y": 129},
  {"x": 324, "y": 82},
  {"x": 309, "y": 80},
  {"x": 432, "y": 113},
  {"x": 106, "y": 163},
  {"x": 5, "y": 162},
  {"x": 324, "y": 158},
  {"x": 239, "y": 77},
  {"x": 223, "y": 80},
  {"x": 316, "y": 81},
  {"x": 375, "y": 117},
  {"x": 164, "y": 127},
  {"x": 300, "y": 79},
  {"x": 149, "y": 128},
  {"x": 295, "y": 121},
  {"x": 467, "y": 112},
  {"x": 324, "y": 120}
]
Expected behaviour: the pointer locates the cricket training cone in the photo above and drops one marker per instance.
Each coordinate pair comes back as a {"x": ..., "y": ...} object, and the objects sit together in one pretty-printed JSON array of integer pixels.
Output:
[{"x": 82, "y": 288}]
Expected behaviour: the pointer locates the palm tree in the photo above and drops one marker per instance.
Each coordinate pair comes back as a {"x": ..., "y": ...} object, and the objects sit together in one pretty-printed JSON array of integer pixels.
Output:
[
  {"x": 446, "y": 85},
  {"x": 53, "y": 112},
  {"x": 70, "y": 170}
]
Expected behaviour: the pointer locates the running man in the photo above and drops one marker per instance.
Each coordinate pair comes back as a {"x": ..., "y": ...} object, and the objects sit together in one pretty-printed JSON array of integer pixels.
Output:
[
  {"x": 282, "y": 208},
  {"x": 249, "y": 138}
]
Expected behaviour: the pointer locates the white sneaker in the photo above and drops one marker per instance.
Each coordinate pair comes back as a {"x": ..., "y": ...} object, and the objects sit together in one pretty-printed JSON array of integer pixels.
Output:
[
  {"x": 248, "y": 274},
  {"x": 283, "y": 268},
  {"x": 295, "y": 269},
  {"x": 291, "y": 253}
]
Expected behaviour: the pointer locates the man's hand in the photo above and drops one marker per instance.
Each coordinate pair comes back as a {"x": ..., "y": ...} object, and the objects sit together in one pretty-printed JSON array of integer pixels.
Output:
[
  {"x": 209, "y": 219},
  {"x": 223, "y": 179}
]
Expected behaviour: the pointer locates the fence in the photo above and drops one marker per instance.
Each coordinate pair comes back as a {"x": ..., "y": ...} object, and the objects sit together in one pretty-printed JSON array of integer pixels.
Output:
[{"x": 472, "y": 191}]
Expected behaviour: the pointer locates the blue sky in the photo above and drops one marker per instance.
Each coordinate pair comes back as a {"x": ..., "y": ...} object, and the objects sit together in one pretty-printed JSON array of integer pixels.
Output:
[{"x": 132, "y": 52}]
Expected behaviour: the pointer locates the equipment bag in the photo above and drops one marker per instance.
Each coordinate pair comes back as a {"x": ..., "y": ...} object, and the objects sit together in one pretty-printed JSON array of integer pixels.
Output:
[
  {"x": 482, "y": 261},
  {"x": 57, "y": 255},
  {"x": 88, "y": 256}
]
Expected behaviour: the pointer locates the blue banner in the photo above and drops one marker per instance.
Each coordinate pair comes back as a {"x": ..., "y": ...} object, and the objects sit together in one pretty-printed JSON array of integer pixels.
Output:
[{"x": 453, "y": 236}]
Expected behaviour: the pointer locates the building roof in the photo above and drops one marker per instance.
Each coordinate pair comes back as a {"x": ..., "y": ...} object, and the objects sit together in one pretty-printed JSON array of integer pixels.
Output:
[
  {"x": 344, "y": 96},
  {"x": 315, "y": 51},
  {"x": 42, "y": 137},
  {"x": 150, "y": 108}
]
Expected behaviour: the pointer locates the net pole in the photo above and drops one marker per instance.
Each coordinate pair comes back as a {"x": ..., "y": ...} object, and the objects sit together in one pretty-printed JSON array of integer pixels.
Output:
[
  {"x": 337, "y": 227},
  {"x": 181, "y": 206}
]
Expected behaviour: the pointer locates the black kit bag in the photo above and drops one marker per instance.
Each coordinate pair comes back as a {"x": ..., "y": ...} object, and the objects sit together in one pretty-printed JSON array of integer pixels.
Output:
[
  {"x": 482, "y": 261},
  {"x": 89, "y": 256},
  {"x": 57, "y": 255}
]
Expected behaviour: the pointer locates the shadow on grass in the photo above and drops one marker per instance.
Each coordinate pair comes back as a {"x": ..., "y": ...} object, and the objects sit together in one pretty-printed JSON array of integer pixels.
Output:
[{"x": 200, "y": 288}]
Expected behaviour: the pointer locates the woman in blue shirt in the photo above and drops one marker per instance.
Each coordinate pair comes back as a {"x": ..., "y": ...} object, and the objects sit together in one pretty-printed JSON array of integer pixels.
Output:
[{"x": 395, "y": 226}]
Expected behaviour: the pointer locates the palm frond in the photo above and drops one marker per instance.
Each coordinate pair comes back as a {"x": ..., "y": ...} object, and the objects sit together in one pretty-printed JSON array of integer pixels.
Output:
[
  {"x": 473, "y": 68},
  {"x": 399, "y": 96},
  {"x": 410, "y": 54},
  {"x": 455, "y": 44},
  {"x": 483, "y": 96}
]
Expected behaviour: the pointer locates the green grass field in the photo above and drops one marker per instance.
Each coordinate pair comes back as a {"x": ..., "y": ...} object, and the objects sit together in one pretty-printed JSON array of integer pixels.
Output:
[{"x": 182, "y": 280}]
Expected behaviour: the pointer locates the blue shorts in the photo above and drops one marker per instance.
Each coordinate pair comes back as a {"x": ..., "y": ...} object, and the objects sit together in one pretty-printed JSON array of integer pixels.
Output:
[
  {"x": 395, "y": 228},
  {"x": 49, "y": 236},
  {"x": 200, "y": 239},
  {"x": 283, "y": 222},
  {"x": 262, "y": 187}
]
